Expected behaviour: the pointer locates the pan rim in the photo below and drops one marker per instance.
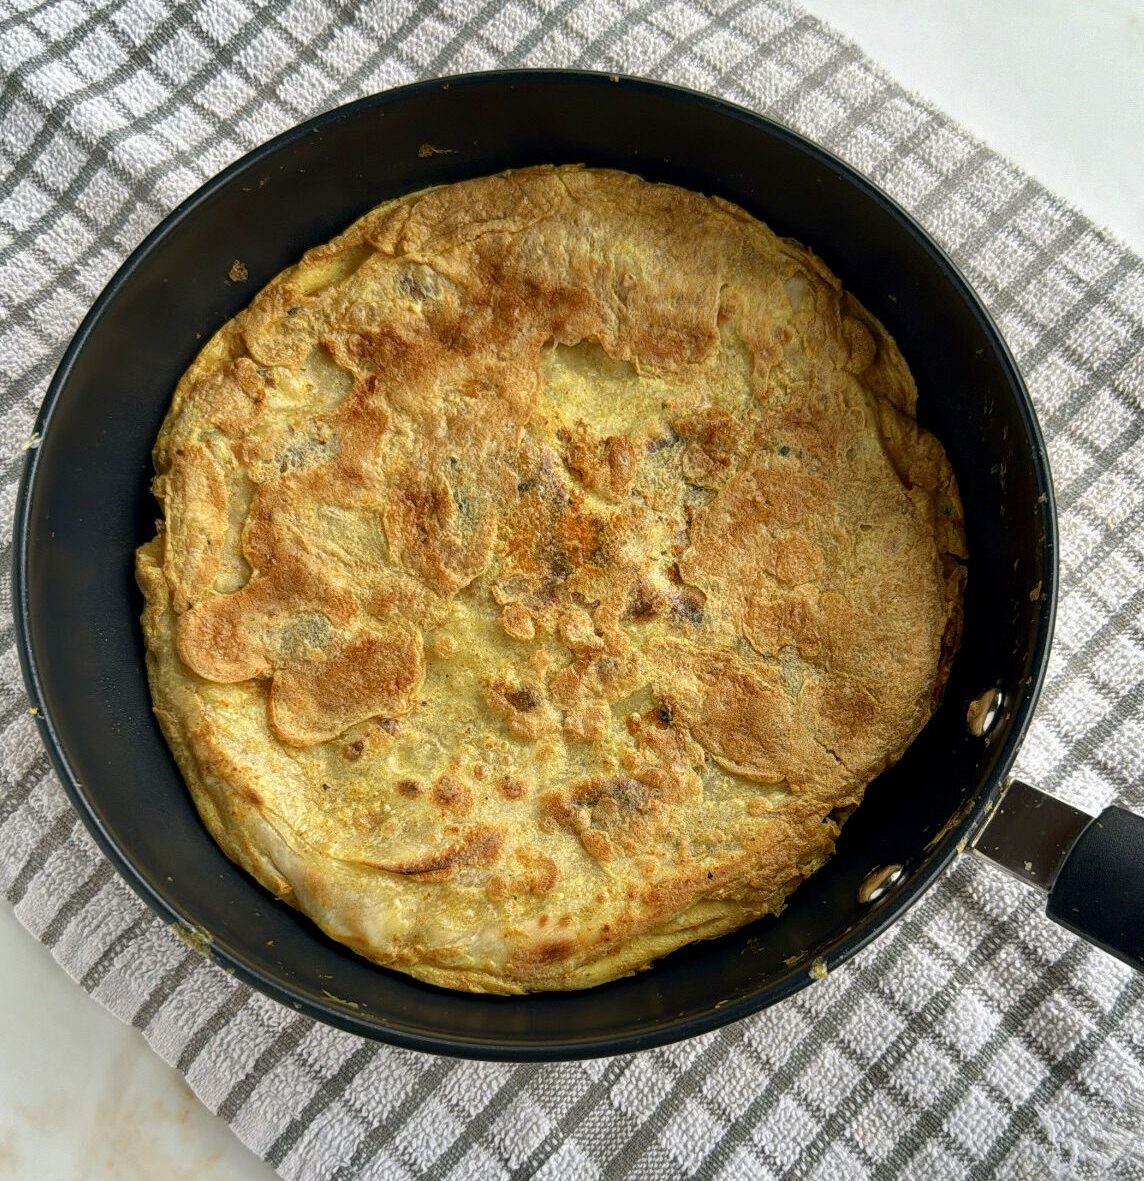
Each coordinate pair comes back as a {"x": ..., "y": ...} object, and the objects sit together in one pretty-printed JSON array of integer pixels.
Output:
[{"x": 232, "y": 958}]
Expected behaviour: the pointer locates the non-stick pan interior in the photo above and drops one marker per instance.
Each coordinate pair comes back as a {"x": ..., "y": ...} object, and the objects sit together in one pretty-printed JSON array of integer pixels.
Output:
[{"x": 86, "y": 507}]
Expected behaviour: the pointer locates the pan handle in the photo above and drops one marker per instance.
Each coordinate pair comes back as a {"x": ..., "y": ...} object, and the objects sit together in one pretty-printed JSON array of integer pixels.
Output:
[{"x": 1092, "y": 869}]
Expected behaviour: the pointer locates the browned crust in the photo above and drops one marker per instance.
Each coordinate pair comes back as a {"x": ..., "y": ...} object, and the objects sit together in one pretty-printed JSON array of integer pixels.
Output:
[{"x": 543, "y": 563}]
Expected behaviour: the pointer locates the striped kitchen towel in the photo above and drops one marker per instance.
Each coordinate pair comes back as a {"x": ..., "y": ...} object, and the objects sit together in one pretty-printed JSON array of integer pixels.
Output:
[{"x": 974, "y": 1039}]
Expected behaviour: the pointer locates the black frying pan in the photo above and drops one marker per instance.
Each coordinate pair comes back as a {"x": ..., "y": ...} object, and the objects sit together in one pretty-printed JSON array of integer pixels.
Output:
[{"x": 84, "y": 506}]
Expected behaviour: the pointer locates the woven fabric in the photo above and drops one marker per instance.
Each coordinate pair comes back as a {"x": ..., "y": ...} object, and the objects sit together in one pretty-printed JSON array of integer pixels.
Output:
[{"x": 975, "y": 1038}]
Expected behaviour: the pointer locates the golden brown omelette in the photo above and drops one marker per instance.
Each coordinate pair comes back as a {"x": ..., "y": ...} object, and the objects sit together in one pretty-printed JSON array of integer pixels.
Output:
[{"x": 546, "y": 565}]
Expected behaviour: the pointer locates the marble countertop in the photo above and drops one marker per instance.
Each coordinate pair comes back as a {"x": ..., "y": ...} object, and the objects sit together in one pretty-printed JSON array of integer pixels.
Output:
[{"x": 1058, "y": 87}]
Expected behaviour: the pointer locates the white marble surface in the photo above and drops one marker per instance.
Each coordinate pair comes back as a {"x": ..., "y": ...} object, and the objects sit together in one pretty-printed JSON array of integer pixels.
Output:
[
  {"x": 1055, "y": 85},
  {"x": 1058, "y": 86},
  {"x": 83, "y": 1097}
]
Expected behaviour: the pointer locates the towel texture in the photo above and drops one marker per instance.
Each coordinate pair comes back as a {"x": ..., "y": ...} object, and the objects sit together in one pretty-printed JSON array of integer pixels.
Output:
[{"x": 975, "y": 1038}]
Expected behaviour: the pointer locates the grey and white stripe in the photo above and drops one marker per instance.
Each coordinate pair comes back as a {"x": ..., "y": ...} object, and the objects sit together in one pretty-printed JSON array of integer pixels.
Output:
[{"x": 974, "y": 1040}]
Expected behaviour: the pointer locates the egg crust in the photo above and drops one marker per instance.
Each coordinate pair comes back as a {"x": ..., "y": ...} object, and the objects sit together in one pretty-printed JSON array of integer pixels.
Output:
[{"x": 546, "y": 565}]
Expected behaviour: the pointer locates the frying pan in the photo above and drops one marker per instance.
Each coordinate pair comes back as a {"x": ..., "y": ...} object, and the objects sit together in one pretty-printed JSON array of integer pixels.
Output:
[{"x": 84, "y": 506}]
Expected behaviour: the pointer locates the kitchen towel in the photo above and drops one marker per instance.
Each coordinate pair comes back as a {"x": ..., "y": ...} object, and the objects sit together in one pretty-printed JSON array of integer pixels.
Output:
[{"x": 973, "y": 1039}]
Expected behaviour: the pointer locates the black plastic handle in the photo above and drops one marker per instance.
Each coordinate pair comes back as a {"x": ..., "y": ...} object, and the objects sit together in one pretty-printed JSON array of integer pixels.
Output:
[{"x": 1099, "y": 890}]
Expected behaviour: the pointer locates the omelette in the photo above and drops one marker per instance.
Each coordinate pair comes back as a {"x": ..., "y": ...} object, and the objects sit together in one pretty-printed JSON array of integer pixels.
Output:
[{"x": 546, "y": 566}]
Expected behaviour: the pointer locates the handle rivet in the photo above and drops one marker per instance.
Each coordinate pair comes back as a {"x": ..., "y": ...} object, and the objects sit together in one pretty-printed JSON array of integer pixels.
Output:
[
  {"x": 984, "y": 711},
  {"x": 879, "y": 882}
]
